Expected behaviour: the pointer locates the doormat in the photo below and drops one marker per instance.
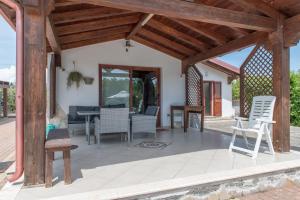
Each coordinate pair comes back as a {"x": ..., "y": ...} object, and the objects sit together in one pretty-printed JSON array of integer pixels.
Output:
[
  {"x": 153, "y": 145},
  {"x": 5, "y": 165}
]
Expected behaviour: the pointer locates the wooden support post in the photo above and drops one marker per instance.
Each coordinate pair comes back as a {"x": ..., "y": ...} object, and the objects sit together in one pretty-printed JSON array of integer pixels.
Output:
[
  {"x": 281, "y": 85},
  {"x": 35, "y": 91},
  {"x": 5, "y": 102}
]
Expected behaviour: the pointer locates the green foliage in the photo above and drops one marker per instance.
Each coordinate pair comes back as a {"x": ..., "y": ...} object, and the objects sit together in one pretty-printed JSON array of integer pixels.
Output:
[
  {"x": 295, "y": 98},
  {"x": 74, "y": 77},
  {"x": 236, "y": 89},
  {"x": 11, "y": 96}
]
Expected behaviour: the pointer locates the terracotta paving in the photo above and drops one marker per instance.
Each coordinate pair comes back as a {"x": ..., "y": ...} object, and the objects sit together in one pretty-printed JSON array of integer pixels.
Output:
[
  {"x": 7, "y": 140},
  {"x": 290, "y": 191}
]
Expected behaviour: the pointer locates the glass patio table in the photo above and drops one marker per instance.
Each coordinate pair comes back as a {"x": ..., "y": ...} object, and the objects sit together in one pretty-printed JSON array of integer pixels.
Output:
[{"x": 88, "y": 115}]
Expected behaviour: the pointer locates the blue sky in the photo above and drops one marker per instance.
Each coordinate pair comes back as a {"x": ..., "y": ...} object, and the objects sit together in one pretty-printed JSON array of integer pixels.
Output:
[{"x": 8, "y": 49}]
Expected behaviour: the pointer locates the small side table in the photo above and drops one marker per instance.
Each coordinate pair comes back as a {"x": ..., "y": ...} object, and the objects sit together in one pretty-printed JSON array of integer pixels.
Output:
[
  {"x": 58, "y": 140},
  {"x": 187, "y": 110}
]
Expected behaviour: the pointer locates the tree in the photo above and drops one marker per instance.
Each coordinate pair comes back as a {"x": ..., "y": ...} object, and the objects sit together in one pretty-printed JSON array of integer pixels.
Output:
[
  {"x": 295, "y": 98},
  {"x": 236, "y": 89}
]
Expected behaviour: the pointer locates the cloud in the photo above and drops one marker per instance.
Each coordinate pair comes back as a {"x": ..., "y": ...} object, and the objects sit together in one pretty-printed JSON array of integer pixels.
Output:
[{"x": 8, "y": 74}]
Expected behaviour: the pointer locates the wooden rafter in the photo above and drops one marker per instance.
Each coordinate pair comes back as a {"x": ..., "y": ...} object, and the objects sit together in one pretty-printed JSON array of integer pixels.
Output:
[
  {"x": 292, "y": 30},
  {"x": 258, "y": 5},
  {"x": 87, "y": 14},
  {"x": 96, "y": 24},
  {"x": 95, "y": 34},
  {"x": 52, "y": 35},
  {"x": 194, "y": 26},
  {"x": 160, "y": 48},
  {"x": 166, "y": 42},
  {"x": 201, "y": 46},
  {"x": 8, "y": 15},
  {"x": 227, "y": 48},
  {"x": 192, "y": 11},
  {"x": 110, "y": 37},
  {"x": 144, "y": 19}
]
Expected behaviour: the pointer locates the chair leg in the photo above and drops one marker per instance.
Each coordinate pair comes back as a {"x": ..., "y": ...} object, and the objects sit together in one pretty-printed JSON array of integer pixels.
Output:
[
  {"x": 99, "y": 138},
  {"x": 257, "y": 145},
  {"x": 232, "y": 141},
  {"x": 270, "y": 144}
]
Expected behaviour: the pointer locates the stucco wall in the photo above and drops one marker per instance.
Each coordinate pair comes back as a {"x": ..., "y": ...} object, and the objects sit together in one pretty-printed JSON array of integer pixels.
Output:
[
  {"x": 88, "y": 58},
  {"x": 210, "y": 74}
]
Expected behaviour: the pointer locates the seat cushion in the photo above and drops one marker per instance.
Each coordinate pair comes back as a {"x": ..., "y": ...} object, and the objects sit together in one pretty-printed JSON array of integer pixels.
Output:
[{"x": 151, "y": 110}]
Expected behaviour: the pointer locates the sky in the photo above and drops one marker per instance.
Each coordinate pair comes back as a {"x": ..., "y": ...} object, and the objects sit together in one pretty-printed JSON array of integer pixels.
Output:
[{"x": 8, "y": 54}]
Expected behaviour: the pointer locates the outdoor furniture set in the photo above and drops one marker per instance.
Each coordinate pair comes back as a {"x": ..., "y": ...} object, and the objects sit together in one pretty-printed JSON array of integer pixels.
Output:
[{"x": 112, "y": 120}]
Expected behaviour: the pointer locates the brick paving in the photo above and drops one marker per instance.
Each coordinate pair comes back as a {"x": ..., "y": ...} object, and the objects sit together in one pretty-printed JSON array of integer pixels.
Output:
[
  {"x": 7, "y": 140},
  {"x": 290, "y": 191}
]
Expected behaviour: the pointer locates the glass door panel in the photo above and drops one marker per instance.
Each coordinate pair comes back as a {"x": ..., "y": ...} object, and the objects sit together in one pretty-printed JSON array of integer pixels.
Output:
[
  {"x": 115, "y": 87},
  {"x": 207, "y": 98}
]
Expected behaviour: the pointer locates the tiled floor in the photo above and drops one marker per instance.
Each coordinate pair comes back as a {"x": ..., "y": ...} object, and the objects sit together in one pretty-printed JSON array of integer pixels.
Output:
[{"x": 115, "y": 164}]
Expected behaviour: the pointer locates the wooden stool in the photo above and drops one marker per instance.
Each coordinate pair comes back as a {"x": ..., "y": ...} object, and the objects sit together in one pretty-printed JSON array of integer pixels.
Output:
[{"x": 58, "y": 140}]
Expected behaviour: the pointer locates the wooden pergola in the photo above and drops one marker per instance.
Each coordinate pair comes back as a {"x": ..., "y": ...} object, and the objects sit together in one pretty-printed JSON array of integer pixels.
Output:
[{"x": 190, "y": 30}]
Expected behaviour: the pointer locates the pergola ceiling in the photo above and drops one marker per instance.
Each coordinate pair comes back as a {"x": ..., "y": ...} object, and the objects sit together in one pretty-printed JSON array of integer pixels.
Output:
[{"x": 72, "y": 23}]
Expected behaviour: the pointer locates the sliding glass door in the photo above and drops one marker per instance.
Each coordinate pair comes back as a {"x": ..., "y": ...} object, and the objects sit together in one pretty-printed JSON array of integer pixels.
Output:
[{"x": 115, "y": 87}]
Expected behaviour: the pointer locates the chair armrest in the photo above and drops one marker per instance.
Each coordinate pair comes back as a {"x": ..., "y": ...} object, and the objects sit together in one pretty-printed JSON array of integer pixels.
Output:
[
  {"x": 266, "y": 121},
  {"x": 241, "y": 118},
  {"x": 143, "y": 117}
]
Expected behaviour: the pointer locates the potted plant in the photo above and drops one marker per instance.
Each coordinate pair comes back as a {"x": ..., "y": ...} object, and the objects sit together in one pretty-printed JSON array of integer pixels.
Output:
[
  {"x": 88, "y": 80},
  {"x": 74, "y": 77}
]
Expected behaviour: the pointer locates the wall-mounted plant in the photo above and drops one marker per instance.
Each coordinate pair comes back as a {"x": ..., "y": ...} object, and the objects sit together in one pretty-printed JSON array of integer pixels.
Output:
[
  {"x": 74, "y": 77},
  {"x": 88, "y": 80}
]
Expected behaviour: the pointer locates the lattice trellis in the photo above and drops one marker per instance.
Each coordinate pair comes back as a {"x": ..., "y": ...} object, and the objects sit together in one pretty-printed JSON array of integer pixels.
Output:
[
  {"x": 256, "y": 77},
  {"x": 194, "y": 87}
]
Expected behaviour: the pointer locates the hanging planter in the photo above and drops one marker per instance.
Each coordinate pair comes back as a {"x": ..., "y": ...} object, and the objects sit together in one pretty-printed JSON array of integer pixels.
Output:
[
  {"x": 88, "y": 80},
  {"x": 74, "y": 77}
]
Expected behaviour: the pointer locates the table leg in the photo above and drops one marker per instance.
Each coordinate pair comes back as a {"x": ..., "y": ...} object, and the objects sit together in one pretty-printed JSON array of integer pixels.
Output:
[
  {"x": 67, "y": 167},
  {"x": 87, "y": 128},
  {"x": 202, "y": 121},
  {"x": 172, "y": 118},
  {"x": 49, "y": 168},
  {"x": 186, "y": 120}
]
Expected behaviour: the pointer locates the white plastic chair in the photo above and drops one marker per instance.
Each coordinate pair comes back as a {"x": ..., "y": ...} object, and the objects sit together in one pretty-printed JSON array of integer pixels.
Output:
[{"x": 260, "y": 122}]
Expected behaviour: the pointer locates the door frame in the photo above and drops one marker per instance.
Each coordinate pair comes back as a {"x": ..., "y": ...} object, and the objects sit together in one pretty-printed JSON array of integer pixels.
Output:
[
  {"x": 130, "y": 69},
  {"x": 212, "y": 96}
]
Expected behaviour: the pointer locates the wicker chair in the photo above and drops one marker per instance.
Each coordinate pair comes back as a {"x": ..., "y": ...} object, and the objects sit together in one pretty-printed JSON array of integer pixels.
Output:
[
  {"x": 145, "y": 123},
  {"x": 112, "y": 120}
]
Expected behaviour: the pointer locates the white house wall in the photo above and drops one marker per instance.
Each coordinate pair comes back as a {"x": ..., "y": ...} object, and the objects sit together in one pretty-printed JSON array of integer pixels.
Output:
[
  {"x": 210, "y": 74},
  {"x": 88, "y": 58}
]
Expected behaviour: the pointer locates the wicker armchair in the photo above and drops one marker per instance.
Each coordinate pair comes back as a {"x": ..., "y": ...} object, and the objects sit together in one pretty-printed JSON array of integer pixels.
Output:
[
  {"x": 112, "y": 120},
  {"x": 145, "y": 123}
]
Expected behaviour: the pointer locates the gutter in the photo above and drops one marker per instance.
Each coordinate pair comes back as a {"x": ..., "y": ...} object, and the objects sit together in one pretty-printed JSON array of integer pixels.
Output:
[{"x": 19, "y": 91}]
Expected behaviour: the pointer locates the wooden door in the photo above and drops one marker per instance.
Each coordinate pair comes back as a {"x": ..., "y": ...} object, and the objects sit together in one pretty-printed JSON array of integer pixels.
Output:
[{"x": 217, "y": 98}]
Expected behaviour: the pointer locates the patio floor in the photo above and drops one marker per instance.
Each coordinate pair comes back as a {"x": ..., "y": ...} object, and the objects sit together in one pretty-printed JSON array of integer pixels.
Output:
[{"x": 114, "y": 164}]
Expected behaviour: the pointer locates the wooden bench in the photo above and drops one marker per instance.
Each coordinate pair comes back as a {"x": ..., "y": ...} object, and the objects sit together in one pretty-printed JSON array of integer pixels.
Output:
[{"x": 58, "y": 140}]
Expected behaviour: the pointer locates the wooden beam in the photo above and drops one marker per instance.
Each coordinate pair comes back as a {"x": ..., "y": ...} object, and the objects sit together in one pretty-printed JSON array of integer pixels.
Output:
[
  {"x": 87, "y": 14},
  {"x": 258, "y": 5},
  {"x": 191, "y": 11},
  {"x": 160, "y": 48},
  {"x": 292, "y": 30},
  {"x": 8, "y": 14},
  {"x": 281, "y": 89},
  {"x": 201, "y": 46},
  {"x": 35, "y": 91},
  {"x": 111, "y": 37},
  {"x": 63, "y": 3},
  {"x": 97, "y": 24},
  {"x": 52, "y": 87},
  {"x": 196, "y": 27},
  {"x": 95, "y": 34},
  {"x": 227, "y": 48},
  {"x": 145, "y": 18},
  {"x": 52, "y": 35},
  {"x": 166, "y": 42}
]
